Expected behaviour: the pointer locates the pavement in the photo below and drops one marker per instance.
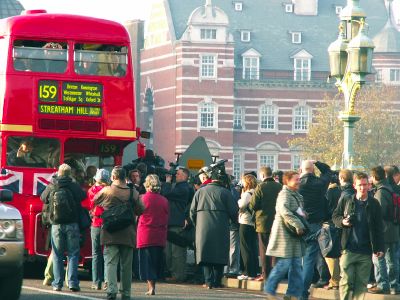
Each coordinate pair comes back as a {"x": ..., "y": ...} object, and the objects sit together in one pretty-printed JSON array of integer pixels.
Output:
[{"x": 316, "y": 293}]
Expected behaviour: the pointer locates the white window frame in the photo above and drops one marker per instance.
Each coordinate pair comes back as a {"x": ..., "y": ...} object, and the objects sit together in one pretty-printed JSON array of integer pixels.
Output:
[
  {"x": 251, "y": 68},
  {"x": 305, "y": 72},
  {"x": 338, "y": 9},
  {"x": 208, "y": 66},
  {"x": 238, "y": 6},
  {"x": 288, "y": 7},
  {"x": 209, "y": 108},
  {"x": 270, "y": 115},
  {"x": 295, "y": 159},
  {"x": 296, "y": 37},
  {"x": 208, "y": 34},
  {"x": 237, "y": 166},
  {"x": 394, "y": 75},
  {"x": 240, "y": 115},
  {"x": 269, "y": 154},
  {"x": 305, "y": 118},
  {"x": 245, "y": 35}
]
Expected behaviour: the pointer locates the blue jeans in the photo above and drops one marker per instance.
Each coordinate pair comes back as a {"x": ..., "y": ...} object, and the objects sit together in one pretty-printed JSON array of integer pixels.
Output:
[
  {"x": 97, "y": 257},
  {"x": 65, "y": 237},
  {"x": 278, "y": 273},
  {"x": 310, "y": 260},
  {"x": 386, "y": 268}
]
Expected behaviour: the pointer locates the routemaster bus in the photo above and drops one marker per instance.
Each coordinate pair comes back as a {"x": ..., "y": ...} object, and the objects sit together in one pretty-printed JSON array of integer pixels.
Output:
[{"x": 67, "y": 95}]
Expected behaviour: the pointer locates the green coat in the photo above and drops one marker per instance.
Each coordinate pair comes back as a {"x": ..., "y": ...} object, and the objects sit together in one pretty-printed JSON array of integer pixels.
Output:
[
  {"x": 263, "y": 203},
  {"x": 281, "y": 243}
]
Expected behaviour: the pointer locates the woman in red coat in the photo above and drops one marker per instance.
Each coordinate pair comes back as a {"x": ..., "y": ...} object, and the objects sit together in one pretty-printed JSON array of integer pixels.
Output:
[{"x": 152, "y": 233}]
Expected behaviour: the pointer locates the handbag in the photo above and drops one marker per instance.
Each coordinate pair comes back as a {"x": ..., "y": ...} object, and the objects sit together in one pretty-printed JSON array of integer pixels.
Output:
[
  {"x": 185, "y": 237},
  {"x": 291, "y": 229},
  {"x": 84, "y": 218},
  {"x": 120, "y": 216}
]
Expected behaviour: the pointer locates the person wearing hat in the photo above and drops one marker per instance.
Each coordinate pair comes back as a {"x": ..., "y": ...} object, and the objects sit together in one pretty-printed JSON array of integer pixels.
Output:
[{"x": 102, "y": 179}]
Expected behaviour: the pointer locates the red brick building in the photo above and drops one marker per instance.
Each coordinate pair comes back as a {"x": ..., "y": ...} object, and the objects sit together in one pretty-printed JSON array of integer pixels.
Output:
[{"x": 245, "y": 74}]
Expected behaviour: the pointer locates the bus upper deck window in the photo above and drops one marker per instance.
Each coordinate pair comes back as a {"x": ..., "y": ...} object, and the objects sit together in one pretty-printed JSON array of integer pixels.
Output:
[
  {"x": 39, "y": 56},
  {"x": 103, "y": 60}
]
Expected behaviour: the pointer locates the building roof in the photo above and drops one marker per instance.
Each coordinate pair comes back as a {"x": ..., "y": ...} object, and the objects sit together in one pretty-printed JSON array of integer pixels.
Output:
[
  {"x": 10, "y": 8},
  {"x": 388, "y": 39},
  {"x": 271, "y": 28}
]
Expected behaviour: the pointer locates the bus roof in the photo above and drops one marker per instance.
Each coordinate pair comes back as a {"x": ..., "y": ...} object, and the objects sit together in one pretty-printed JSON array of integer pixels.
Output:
[{"x": 63, "y": 26}]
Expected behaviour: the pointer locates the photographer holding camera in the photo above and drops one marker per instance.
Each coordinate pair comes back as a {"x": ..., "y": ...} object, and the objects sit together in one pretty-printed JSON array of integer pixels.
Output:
[
  {"x": 212, "y": 208},
  {"x": 360, "y": 218},
  {"x": 179, "y": 197}
]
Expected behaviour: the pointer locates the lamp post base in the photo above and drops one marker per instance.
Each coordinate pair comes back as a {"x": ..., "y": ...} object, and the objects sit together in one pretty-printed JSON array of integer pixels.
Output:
[{"x": 348, "y": 125}]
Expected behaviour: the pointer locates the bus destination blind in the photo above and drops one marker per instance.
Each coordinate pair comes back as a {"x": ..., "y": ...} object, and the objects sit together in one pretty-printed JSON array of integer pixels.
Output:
[
  {"x": 82, "y": 93},
  {"x": 88, "y": 95}
]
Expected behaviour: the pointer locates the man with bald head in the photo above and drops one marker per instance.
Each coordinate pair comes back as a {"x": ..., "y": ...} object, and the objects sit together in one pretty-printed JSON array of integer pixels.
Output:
[{"x": 313, "y": 189}]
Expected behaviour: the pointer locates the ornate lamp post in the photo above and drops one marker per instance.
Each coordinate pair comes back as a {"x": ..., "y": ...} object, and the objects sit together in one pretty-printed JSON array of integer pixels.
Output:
[{"x": 350, "y": 59}]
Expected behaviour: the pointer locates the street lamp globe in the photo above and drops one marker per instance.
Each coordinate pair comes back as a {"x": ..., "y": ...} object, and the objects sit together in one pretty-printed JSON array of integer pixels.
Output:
[
  {"x": 338, "y": 55},
  {"x": 360, "y": 51}
]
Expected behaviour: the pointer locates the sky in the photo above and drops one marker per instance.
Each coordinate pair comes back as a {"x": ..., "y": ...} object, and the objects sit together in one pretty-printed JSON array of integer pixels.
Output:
[{"x": 116, "y": 10}]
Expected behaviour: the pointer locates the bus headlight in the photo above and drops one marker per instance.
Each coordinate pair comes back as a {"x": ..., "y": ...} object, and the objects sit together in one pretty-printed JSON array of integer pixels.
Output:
[{"x": 11, "y": 230}]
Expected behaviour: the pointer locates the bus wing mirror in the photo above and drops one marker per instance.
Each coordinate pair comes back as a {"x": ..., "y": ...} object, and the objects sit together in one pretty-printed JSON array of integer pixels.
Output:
[
  {"x": 145, "y": 134},
  {"x": 6, "y": 195}
]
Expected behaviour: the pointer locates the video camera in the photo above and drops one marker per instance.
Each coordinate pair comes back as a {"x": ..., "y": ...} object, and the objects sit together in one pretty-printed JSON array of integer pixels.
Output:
[{"x": 216, "y": 171}]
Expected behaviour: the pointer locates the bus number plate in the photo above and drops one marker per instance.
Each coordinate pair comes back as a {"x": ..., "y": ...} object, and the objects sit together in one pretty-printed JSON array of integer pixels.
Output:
[{"x": 48, "y": 90}]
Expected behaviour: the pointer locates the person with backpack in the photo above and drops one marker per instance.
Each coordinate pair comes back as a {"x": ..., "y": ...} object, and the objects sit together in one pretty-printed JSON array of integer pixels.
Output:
[
  {"x": 102, "y": 178},
  {"x": 118, "y": 235},
  {"x": 64, "y": 197},
  {"x": 386, "y": 267}
]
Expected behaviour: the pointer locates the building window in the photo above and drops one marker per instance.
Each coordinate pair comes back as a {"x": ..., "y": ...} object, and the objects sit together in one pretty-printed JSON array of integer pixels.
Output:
[
  {"x": 207, "y": 115},
  {"x": 296, "y": 161},
  {"x": 338, "y": 9},
  {"x": 301, "y": 118},
  {"x": 250, "y": 68},
  {"x": 208, "y": 66},
  {"x": 267, "y": 160},
  {"x": 267, "y": 117},
  {"x": 288, "y": 8},
  {"x": 378, "y": 75},
  {"x": 237, "y": 165},
  {"x": 302, "y": 69},
  {"x": 394, "y": 74},
  {"x": 296, "y": 37},
  {"x": 238, "y": 118},
  {"x": 208, "y": 34},
  {"x": 238, "y": 6},
  {"x": 245, "y": 36}
]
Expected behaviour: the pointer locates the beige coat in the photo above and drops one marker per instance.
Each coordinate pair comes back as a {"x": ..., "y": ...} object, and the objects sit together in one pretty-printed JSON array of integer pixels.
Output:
[
  {"x": 281, "y": 243},
  {"x": 116, "y": 194}
]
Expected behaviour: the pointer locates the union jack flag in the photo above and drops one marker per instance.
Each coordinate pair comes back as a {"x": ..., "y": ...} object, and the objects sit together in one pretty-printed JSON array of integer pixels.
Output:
[
  {"x": 40, "y": 181},
  {"x": 12, "y": 181}
]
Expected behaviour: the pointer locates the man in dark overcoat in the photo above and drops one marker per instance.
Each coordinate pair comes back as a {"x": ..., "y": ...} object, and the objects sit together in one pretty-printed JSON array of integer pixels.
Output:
[{"x": 211, "y": 209}]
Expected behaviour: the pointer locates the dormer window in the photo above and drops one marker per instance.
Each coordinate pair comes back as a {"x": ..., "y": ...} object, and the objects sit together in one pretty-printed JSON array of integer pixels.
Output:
[
  {"x": 338, "y": 9},
  {"x": 289, "y": 7},
  {"x": 238, "y": 6},
  {"x": 296, "y": 37},
  {"x": 208, "y": 34},
  {"x": 245, "y": 36}
]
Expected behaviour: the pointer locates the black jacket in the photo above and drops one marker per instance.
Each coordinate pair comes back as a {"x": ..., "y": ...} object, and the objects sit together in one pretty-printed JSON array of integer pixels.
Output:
[
  {"x": 179, "y": 199},
  {"x": 67, "y": 182},
  {"x": 313, "y": 189},
  {"x": 374, "y": 219}
]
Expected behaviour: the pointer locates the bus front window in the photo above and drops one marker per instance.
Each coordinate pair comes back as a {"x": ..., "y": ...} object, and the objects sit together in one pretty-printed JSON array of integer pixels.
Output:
[
  {"x": 33, "y": 152},
  {"x": 101, "y": 60},
  {"x": 40, "y": 56}
]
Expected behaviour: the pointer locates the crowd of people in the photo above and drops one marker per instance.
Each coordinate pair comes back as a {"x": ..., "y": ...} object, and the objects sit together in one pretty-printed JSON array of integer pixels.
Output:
[{"x": 268, "y": 227}]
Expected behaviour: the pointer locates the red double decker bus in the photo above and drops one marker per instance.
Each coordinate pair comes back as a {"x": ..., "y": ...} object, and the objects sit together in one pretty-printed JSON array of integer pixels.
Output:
[{"x": 67, "y": 95}]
